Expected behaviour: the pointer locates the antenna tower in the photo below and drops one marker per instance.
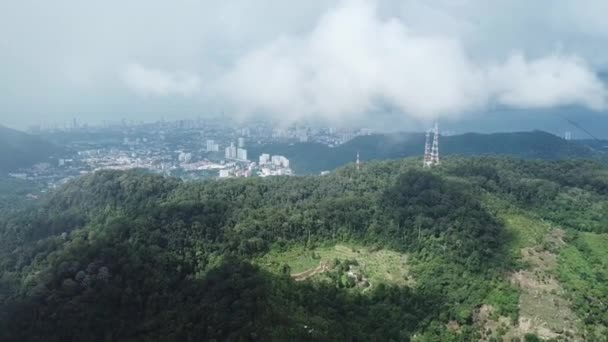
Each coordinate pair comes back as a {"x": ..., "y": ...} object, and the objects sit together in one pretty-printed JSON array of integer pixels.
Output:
[
  {"x": 431, "y": 151},
  {"x": 427, "y": 149}
]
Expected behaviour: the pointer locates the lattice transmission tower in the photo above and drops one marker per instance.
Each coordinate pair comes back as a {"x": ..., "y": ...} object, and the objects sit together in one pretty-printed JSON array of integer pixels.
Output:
[{"x": 431, "y": 149}]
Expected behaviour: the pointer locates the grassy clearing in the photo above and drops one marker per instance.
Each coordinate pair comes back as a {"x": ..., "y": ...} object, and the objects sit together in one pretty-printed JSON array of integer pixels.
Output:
[
  {"x": 580, "y": 264},
  {"x": 598, "y": 243},
  {"x": 524, "y": 228},
  {"x": 583, "y": 269},
  {"x": 379, "y": 266},
  {"x": 526, "y": 231}
]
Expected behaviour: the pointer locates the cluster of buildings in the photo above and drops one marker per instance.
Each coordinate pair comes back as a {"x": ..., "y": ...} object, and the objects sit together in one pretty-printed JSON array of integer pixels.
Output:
[
  {"x": 324, "y": 135},
  {"x": 231, "y": 152},
  {"x": 212, "y": 146},
  {"x": 216, "y": 129},
  {"x": 237, "y": 170},
  {"x": 273, "y": 165},
  {"x": 191, "y": 149},
  {"x": 277, "y": 161},
  {"x": 184, "y": 157},
  {"x": 235, "y": 153},
  {"x": 267, "y": 166}
]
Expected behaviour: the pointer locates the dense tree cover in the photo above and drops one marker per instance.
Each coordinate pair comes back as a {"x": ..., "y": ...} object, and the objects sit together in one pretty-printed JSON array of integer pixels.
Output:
[
  {"x": 19, "y": 150},
  {"x": 583, "y": 269},
  {"x": 134, "y": 256},
  {"x": 13, "y": 193},
  {"x": 573, "y": 194},
  {"x": 313, "y": 157}
]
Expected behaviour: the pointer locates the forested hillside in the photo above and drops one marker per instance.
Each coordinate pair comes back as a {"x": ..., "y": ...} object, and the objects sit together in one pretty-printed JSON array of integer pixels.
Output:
[
  {"x": 313, "y": 158},
  {"x": 18, "y": 149},
  {"x": 476, "y": 249},
  {"x": 14, "y": 193}
]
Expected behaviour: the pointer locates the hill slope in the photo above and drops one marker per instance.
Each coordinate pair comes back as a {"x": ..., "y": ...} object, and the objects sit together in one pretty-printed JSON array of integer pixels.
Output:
[
  {"x": 479, "y": 248},
  {"x": 18, "y": 149},
  {"x": 313, "y": 158}
]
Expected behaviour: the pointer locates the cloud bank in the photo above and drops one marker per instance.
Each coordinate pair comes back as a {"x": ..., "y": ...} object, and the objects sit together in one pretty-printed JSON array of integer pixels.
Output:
[
  {"x": 551, "y": 81},
  {"x": 339, "y": 60},
  {"x": 148, "y": 81},
  {"x": 354, "y": 61}
]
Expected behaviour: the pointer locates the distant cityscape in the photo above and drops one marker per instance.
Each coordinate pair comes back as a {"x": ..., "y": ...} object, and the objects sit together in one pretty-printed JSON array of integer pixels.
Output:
[{"x": 189, "y": 149}]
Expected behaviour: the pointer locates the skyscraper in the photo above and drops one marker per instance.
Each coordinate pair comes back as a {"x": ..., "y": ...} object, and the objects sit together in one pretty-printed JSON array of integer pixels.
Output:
[
  {"x": 264, "y": 159},
  {"x": 231, "y": 152},
  {"x": 212, "y": 146},
  {"x": 241, "y": 154}
]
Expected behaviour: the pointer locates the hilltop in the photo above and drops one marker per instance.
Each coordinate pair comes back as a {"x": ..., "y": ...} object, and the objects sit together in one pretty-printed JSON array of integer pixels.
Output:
[
  {"x": 311, "y": 158},
  {"x": 18, "y": 149},
  {"x": 476, "y": 249}
]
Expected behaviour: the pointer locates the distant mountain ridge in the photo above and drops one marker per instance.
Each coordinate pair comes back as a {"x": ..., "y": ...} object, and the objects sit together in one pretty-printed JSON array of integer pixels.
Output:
[
  {"x": 308, "y": 158},
  {"x": 18, "y": 149}
]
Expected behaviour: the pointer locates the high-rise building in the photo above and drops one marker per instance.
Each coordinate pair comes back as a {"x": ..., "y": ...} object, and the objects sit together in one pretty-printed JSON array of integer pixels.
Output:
[
  {"x": 568, "y": 135},
  {"x": 227, "y": 153},
  {"x": 241, "y": 154},
  {"x": 264, "y": 159},
  {"x": 231, "y": 152},
  {"x": 212, "y": 146},
  {"x": 241, "y": 143},
  {"x": 280, "y": 161}
]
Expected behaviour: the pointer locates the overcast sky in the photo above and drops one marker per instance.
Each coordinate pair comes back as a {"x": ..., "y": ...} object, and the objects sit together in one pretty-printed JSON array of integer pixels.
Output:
[{"x": 353, "y": 61}]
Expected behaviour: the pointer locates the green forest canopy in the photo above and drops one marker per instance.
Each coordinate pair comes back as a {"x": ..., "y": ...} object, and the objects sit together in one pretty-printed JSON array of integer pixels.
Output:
[{"x": 136, "y": 256}]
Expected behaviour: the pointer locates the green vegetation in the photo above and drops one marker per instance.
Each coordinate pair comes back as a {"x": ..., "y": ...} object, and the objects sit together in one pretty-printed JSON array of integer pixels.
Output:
[
  {"x": 388, "y": 253},
  {"x": 583, "y": 269},
  {"x": 313, "y": 158},
  {"x": 16, "y": 194},
  {"x": 378, "y": 265},
  {"x": 19, "y": 150}
]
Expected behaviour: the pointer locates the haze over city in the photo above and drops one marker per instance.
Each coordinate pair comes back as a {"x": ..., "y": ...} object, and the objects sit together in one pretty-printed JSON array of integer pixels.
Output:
[
  {"x": 398, "y": 65},
  {"x": 318, "y": 170}
]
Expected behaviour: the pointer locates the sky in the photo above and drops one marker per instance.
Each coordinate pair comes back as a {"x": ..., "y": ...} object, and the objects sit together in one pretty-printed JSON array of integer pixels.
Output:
[{"x": 390, "y": 64}]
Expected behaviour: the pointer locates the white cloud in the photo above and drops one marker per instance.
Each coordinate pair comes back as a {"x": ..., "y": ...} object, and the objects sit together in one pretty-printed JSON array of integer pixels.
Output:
[
  {"x": 354, "y": 60},
  {"x": 547, "y": 82},
  {"x": 303, "y": 59},
  {"x": 150, "y": 81}
]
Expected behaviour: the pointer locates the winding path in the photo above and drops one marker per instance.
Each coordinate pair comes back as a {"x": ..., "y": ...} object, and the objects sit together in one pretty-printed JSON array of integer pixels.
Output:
[{"x": 323, "y": 267}]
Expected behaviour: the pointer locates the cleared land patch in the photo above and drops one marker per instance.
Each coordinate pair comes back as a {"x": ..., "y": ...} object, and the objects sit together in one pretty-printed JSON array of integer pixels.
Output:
[
  {"x": 526, "y": 231},
  {"x": 323, "y": 267},
  {"x": 379, "y": 266},
  {"x": 543, "y": 308}
]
